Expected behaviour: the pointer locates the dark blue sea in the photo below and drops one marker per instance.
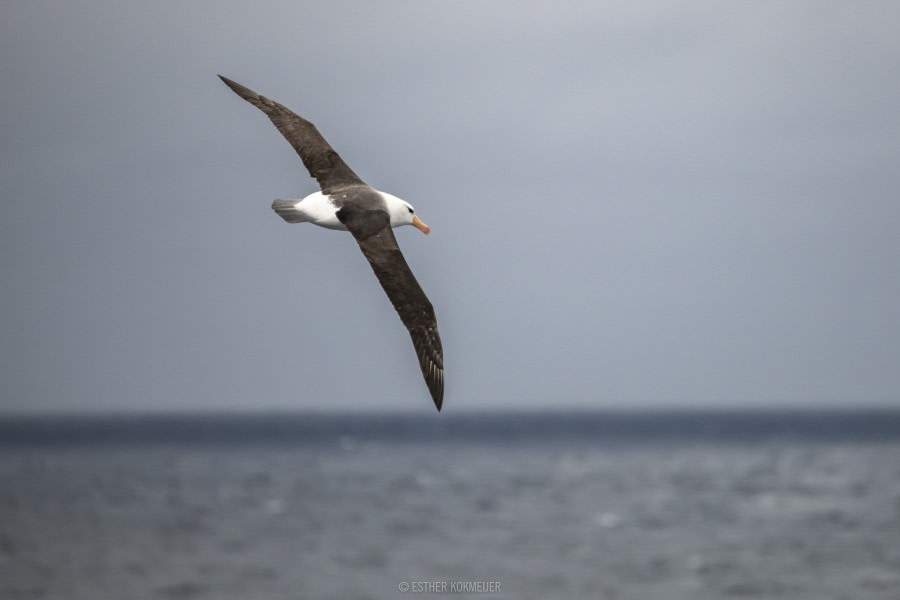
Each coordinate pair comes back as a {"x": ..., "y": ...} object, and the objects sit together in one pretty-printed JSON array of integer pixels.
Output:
[{"x": 643, "y": 506}]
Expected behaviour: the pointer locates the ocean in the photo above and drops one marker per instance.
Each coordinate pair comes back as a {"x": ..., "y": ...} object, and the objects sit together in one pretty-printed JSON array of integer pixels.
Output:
[{"x": 647, "y": 505}]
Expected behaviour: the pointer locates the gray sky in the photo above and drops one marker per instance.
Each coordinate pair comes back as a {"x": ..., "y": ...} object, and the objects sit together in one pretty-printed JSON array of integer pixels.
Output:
[{"x": 632, "y": 204}]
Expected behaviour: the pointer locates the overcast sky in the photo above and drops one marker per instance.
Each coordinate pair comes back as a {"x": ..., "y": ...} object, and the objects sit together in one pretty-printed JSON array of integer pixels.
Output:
[{"x": 632, "y": 204}]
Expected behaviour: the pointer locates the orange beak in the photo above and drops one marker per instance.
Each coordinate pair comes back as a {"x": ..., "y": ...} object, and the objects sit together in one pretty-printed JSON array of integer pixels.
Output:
[{"x": 418, "y": 224}]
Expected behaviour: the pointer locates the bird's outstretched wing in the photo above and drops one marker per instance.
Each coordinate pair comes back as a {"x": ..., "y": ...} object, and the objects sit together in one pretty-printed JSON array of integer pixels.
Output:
[
  {"x": 319, "y": 158},
  {"x": 372, "y": 230}
]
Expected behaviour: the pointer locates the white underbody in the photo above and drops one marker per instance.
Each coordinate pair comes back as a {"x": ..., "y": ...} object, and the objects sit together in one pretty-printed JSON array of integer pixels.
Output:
[{"x": 318, "y": 209}]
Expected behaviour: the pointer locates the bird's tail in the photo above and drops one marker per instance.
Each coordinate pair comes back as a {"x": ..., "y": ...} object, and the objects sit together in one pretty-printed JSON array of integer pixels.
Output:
[{"x": 287, "y": 210}]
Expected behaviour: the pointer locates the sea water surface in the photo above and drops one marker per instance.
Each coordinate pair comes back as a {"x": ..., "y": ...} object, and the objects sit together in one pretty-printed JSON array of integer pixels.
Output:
[{"x": 637, "y": 506}]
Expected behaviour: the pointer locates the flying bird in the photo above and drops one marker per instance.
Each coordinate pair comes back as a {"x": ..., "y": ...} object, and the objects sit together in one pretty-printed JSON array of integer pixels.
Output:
[{"x": 346, "y": 203}]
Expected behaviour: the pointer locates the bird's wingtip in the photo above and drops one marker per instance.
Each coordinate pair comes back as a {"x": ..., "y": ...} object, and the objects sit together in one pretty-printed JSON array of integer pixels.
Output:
[{"x": 242, "y": 91}]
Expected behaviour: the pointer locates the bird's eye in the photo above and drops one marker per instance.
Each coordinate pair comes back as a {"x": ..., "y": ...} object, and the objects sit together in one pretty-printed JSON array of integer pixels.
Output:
[{"x": 410, "y": 210}]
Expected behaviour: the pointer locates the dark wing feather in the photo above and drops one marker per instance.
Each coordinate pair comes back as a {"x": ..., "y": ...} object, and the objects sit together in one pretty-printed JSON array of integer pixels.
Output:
[
  {"x": 317, "y": 155},
  {"x": 372, "y": 230}
]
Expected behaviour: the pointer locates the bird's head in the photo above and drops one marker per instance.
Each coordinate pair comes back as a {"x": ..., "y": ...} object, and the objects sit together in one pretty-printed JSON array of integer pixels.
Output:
[{"x": 402, "y": 213}]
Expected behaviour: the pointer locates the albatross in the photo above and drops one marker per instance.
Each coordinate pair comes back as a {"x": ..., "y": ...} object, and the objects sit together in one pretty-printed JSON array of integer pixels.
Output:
[{"x": 347, "y": 203}]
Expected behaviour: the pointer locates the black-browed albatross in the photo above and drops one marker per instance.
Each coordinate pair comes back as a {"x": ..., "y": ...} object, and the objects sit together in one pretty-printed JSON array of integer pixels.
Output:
[{"x": 347, "y": 203}]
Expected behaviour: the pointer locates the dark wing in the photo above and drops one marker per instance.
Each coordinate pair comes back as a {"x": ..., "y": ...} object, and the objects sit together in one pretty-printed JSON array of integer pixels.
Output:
[
  {"x": 372, "y": 230},
  {"x": 318, "y": 156}
]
